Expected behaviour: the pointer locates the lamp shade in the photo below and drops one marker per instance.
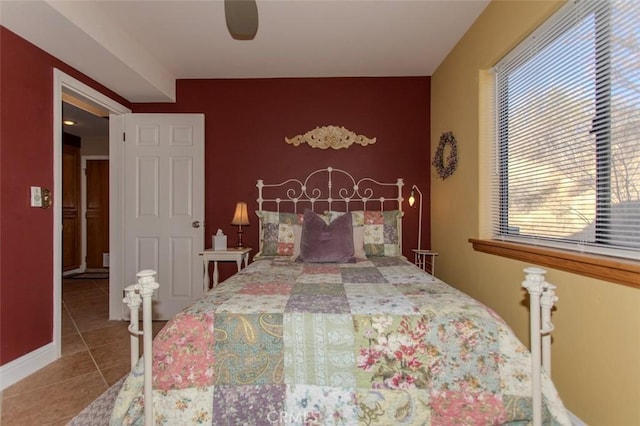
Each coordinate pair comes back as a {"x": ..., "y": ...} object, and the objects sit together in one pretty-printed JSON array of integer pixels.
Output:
[{"x": 241, "y": 216}]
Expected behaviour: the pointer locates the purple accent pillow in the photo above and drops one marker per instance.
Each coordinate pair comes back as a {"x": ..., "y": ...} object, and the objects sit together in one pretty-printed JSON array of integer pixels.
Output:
[{"x": 322, "y": 243}]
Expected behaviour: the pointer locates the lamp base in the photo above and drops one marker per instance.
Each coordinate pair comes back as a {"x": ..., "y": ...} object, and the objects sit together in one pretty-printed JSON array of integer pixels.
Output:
[{"x": 240, "y": 237}]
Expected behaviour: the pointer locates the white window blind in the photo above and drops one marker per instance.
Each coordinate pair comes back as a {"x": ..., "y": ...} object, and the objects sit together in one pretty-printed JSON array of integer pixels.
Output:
[{"x": 567, "y": 149}]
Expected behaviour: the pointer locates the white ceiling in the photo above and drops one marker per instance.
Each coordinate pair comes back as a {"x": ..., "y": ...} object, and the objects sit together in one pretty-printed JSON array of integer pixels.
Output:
[
  {"x": 89, "y": 127},
  {"x": 138, "y": 48}
]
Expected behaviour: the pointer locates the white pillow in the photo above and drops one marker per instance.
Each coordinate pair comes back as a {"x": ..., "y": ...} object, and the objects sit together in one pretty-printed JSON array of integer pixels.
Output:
[
  {"x": 297, "y": 237},
  {"x": 358, "y": 243}
]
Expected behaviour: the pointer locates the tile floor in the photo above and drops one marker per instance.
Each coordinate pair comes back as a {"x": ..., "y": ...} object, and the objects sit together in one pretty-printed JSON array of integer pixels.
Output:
[{"x": 94, "y": 356}]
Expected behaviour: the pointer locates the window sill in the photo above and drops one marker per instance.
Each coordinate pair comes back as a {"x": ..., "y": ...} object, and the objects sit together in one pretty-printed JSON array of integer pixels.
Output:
[{"x": 620, "y": 271}]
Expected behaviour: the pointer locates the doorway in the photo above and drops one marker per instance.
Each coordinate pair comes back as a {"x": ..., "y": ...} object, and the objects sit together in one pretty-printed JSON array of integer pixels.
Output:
[
  {"x": 69, "y": 89},
  {"x": 85, "y": 186}
]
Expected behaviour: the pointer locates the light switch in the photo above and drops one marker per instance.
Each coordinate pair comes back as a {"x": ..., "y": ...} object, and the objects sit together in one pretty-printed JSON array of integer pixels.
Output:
[{"x": 36, "y": 196}]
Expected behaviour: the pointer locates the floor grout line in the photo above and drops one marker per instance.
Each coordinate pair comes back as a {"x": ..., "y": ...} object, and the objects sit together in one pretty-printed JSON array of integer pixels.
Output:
[
  {"x": 84, "y": 342},
  {"x": 36, "y": 388},
  {"x": 26, "y": 392}
]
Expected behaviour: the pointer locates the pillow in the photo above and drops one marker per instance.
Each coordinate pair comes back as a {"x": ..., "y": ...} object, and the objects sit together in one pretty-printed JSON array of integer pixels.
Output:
[
  {"x": 326, "y": 243},
  {"x": 380, "y": 230},
  {"x": 277, "y": 237},
  {"x": 358, "y": 242},
  {"x": 297, "y": 237}
]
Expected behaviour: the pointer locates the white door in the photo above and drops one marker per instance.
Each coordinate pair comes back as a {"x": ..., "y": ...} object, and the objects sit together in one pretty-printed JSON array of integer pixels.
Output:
[{"x": 164, "y": 205}]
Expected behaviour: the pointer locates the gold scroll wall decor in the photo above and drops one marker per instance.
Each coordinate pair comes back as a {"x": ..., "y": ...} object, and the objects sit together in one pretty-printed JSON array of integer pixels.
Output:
[{"x": 335, "y": 137}]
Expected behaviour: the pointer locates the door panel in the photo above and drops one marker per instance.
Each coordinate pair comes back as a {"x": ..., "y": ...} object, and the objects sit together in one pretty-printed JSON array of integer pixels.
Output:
[
  {"x": 147, "y": 253},
  {"x": 97, "y": 178},
  {"x": 180, "y": 256},
  {"x": 147, "y": 197},
  {"x": 164, "y": 195},
  {"x": 181, "y": 190}
]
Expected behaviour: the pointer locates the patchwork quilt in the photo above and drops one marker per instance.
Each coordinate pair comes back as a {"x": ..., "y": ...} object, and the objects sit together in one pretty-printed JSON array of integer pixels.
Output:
[{"x": 378, "y": 342}]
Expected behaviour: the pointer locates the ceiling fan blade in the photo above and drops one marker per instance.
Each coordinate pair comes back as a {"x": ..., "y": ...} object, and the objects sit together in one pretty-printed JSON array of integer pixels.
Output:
[{"x": 242, "y": 18}]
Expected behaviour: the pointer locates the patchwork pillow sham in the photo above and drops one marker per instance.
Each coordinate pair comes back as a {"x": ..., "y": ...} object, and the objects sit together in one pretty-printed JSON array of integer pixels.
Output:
[
  {"x": 380, "y": 230},
  {"x": 277, "y": 232},
  {"x": 278, "y": 236},
  {"x": 326, "y": 243}
]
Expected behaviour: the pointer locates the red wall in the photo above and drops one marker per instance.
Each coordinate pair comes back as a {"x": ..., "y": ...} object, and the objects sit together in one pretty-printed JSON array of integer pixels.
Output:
[
  {"x": 246, "y": 122},
  {"x": 26, "y": 159}
]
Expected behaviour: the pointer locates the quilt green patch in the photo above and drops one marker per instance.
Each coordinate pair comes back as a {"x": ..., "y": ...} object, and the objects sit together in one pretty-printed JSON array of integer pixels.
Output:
[
  {"x": 319, "y": 349},
  {"x": 249, "y": 349}
]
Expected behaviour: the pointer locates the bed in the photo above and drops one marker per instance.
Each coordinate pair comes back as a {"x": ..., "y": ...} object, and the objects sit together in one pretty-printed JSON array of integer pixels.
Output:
[{"x": 315, "y": 333}]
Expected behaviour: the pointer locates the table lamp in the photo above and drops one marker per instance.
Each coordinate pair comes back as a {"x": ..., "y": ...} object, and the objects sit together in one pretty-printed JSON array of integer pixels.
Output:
[
  {"x": 240, "y": 218},
  {"x": 412, "y": 201}
]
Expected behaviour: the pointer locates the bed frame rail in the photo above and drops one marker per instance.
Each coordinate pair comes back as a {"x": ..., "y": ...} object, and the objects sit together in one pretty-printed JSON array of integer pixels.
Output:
[{"x": 542, "y": 297}]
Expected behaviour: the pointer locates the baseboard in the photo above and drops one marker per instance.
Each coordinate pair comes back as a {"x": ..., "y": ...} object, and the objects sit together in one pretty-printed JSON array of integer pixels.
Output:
[
  {"x": 575, "y": 421},
  {"x": 73, "y": 271},
  {"x": 20, "y": 368}
]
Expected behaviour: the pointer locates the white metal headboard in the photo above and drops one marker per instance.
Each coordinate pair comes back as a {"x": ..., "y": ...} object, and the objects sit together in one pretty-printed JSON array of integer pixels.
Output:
[{"x": 338, "y": 191}]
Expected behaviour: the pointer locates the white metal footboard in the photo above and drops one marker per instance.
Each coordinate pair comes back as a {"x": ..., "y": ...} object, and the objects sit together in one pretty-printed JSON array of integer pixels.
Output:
[
  {"x": 541, "y": 300},
  {"x": 134, "y": 295}
]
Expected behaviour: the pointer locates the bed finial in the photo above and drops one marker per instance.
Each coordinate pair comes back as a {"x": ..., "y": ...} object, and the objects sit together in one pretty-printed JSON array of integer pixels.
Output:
[
  {"x": 142, "y": 291},
  {"x": 133, "y": 301}
]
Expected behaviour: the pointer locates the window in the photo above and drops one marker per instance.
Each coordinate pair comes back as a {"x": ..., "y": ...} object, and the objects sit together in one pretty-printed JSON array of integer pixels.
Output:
[{"x": 567, "y": 151}]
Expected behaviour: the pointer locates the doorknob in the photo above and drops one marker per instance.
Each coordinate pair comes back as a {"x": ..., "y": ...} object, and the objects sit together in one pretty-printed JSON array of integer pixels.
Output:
[{"x": 195, "y": 224}]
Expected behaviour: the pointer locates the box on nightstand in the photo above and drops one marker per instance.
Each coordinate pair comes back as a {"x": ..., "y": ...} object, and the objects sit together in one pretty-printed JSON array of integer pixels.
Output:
[{"x": 219, "y": 242}]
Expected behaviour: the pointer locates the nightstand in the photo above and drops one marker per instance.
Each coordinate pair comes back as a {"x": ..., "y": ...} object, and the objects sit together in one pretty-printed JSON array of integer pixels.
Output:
[
  {"x": 238, "y": 255},
  {"x": 425, "y": 260}
]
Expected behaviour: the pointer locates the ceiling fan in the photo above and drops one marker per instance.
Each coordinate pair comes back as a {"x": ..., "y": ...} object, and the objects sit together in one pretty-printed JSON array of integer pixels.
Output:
[{"x": 242, "y": 18}]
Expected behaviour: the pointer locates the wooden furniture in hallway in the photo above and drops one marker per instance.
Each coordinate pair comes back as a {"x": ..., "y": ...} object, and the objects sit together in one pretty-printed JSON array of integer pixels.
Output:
[
  {"x": 97, "y": 214},
  {"x": 71, "y": 225}
]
